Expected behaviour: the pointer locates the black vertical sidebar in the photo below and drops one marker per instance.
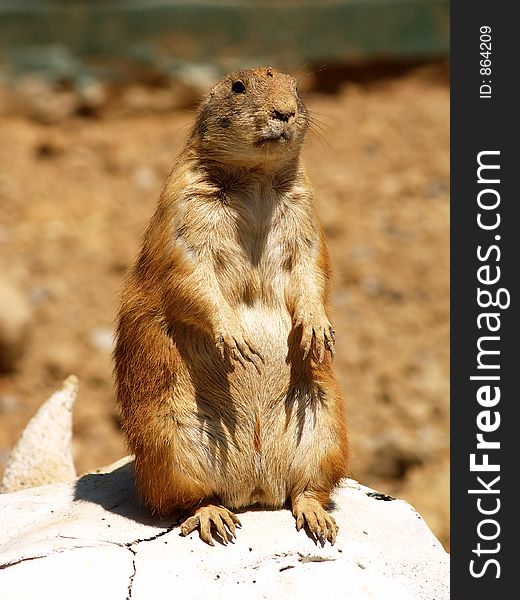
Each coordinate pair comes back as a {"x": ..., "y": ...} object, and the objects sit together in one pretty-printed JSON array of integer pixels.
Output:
[{"x": 485, "y": 119}]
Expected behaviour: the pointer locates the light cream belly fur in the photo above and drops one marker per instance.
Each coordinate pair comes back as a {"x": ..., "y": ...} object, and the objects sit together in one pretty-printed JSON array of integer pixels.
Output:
[{"x": 245, "y": 446}]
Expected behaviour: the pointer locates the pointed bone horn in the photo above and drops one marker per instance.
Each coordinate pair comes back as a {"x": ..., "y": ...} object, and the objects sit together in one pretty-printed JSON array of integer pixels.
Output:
[{"x": 43, "y": 454}]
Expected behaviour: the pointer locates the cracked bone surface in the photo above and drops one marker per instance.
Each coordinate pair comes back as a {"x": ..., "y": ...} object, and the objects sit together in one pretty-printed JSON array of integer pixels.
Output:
[{"x": 91, "y": 539}]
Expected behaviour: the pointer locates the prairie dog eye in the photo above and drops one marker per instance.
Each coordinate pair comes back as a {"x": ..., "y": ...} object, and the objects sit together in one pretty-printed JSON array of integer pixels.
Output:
[{"x": 238, "y": 87}]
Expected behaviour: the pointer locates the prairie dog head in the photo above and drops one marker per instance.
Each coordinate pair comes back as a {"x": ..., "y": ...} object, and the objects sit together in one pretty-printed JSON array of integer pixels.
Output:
[{"x": 251, "y": 118}]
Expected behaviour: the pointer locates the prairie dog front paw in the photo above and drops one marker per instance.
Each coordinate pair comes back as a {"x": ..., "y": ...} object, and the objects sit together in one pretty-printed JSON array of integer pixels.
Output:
[
  {"x": 318, "y": 335},
  {"x": 232, "y": 343}
]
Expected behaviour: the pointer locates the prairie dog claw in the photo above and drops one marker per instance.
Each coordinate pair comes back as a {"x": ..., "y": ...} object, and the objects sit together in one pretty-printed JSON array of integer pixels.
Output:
[
  {"x": 322, "y": 525},
  {"x": 212, "y": 517}
]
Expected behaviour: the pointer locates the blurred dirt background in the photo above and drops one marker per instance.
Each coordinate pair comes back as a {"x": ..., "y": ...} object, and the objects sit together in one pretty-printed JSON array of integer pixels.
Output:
[{"x": 79, "y": 176}]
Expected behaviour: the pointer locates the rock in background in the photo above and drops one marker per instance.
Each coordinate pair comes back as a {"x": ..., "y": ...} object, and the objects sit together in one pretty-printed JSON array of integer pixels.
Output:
[{"x": 15, "y": 320}]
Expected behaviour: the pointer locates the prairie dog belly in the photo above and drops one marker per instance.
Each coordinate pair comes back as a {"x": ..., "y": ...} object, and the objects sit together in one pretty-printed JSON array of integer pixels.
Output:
[
  {"x": 235, "y": 434},
  {"x": 268, "y": 329},
  {"x": 259, "y": 392},
  {"x": 248, "y": 429}
]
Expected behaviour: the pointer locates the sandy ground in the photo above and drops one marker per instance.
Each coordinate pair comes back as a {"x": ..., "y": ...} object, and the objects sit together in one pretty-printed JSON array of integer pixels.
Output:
[{"x": 75, "y": 197}]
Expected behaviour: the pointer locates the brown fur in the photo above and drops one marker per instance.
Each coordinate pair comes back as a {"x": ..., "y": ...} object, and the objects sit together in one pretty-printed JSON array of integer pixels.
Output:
[{"x": 223, "y": 353}]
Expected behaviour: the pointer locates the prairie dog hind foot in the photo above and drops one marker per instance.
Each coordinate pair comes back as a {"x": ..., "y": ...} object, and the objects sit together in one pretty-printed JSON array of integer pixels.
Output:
[
  {"x": 309, "y": 512},
  {"x": 211, "y": 518}
]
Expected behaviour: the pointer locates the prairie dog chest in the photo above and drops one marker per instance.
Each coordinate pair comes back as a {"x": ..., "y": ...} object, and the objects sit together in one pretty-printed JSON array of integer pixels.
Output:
[
  {"x": 249, "y": 231},
  {"x": 263, "y": 239}
]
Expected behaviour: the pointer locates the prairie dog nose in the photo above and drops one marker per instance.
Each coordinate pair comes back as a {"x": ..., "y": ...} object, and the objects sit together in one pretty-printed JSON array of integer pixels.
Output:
[
  {"x": 282, "y": 116},
  {"x": 283, "y": 111}
]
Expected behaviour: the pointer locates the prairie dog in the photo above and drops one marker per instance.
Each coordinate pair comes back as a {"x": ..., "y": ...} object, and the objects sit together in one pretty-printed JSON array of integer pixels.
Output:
[{"x": 224, "y": 347}]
